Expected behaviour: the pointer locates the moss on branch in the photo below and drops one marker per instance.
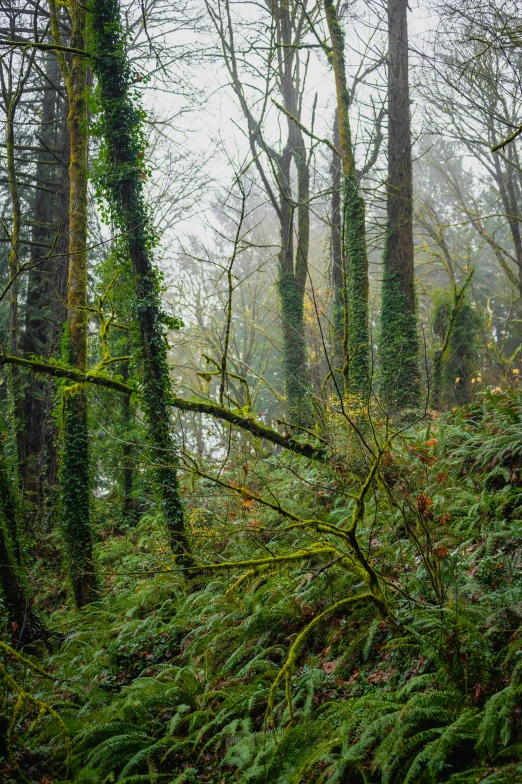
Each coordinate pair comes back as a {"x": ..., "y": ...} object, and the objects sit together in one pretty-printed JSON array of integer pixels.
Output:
[
  {"x": 247, "y": 423},
  {"x": 299, "y": 555},
  {"x": 60, "y": 371},
  {"x": 288, "y": 667}
]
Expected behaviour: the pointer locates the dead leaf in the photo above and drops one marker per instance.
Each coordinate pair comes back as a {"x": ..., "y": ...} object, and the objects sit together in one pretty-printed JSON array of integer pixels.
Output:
[
  {"x": 424, "y": 503},
  {"x": 330, "y": 666}
]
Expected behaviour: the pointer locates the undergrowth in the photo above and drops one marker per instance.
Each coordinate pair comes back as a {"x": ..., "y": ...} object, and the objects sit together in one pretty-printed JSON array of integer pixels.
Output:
[{"x": 169, "y": 680}]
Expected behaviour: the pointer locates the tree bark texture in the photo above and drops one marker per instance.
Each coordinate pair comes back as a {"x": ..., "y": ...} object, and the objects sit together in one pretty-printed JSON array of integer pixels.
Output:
[
  {"x": 400, "y": 384},
  {"x": 124, "y": 185},
  {"x": 11, "y": 97},
  {"x": 45, "y": 308},
  {"x": 75, "y": 462},
  {"x": 336, "y": 254},
  {"x": 357, "y": 355},
  {"x": 293, "y": 257}
]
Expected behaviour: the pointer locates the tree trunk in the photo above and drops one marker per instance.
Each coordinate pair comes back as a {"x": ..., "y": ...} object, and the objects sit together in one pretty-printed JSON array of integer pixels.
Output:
[
  {"x": 45, "y": 314},
  {"x": 25, "y": 624},
  {"x": 357, "y": 346},
  {"x": 400, "y": 385},
  {"x": 13, "y": 265},
  {"x": 291, "y": 296},
  {"x": 288, "y": 19},
  {"x": 336, "y": 251},
  {"x": 293, "y": 273},
  {"x": 124, "y": 185},
  {"x": 129, "y": 512},
  {"x": 74, "y": 464}
]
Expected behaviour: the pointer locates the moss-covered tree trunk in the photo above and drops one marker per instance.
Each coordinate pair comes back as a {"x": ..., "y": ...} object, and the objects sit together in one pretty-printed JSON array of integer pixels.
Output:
[
  {"x": 398, "y": 355},
  {"x": 293, "y": 257},
  {"x": 293, "y": 210},
  {"x": 128, "y": 511},
  {"x": 124, "y": 189},
  {"x": 457, "y": 359},
  {"x": 24, "y": 623},
  {"x": 74, "y": 463},
  {"x": 291, "y": 284},
  {"x": 357, "y": 345},
  {"x": 336, "y": 255}
]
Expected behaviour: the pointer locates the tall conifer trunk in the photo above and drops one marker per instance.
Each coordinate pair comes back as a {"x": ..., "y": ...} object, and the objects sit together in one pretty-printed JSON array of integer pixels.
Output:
[
  {"x": 74, "y": 464},
  {"x": 357, "y": 340},
  {"x": 124, "y": 187},
  {"x": 45, "y": 313},
  {"x": 12, "y": 90},
  {"x": 399, "y": 341}
]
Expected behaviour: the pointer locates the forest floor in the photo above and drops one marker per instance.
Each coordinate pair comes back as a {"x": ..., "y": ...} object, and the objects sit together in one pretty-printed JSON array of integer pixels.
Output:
[{"x": 167, "y": 679}]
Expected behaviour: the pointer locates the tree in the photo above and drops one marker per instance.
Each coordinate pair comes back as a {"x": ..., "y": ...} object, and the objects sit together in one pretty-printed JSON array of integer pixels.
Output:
[
  {"x": 123, "y": 184},
  {"x": 25, "y": 624},
  {"x": 75, "y": 479},
  {"x": 44, "y": 306},
  {"x": 15, "y": 71},
  {"x": 478, "y": 98},
  {"x": 284, "y": 69},
  {"x": 338, "y": 272},
  {"x": 357, "y": 341},
  {"x": 456, "y": 325},
  {"x": 399, "y": 342}
]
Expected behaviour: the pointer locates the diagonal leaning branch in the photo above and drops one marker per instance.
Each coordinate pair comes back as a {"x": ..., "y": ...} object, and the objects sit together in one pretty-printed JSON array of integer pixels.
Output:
[
  {"x": 289, "y": 665},
  {"x": 241, "y": 421}
]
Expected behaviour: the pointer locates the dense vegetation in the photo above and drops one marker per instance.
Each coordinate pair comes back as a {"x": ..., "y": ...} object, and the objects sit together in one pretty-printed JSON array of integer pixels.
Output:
[
  {"x": 164, "y": 681},
  {"x": 260, "y": 506}
]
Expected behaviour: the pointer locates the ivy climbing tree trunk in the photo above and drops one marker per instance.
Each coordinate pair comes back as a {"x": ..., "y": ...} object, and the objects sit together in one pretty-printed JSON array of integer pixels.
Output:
[
  {"x": 336, "y": 254},
  {"x": 291, "y": 284},
  {"x": 123, "y": 185},
  {"x": 357, "y": 350},
  {"x": 74, "y": 464},
  {"x": 293, "y": 256},
  {"x": 400, "y": 385}
]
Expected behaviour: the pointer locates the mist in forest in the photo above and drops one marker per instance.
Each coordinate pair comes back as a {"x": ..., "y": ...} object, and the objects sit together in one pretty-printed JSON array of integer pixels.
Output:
[{"x": 260, "y": 405}]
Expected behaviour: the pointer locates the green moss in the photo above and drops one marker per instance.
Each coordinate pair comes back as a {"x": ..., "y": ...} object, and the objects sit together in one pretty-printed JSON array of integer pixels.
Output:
[
  {"x": 358, "y": 371},
  {"x": 294, "y": 350},
  {"x": 25, "y": 624},
  {"x": 75, "y": 488},
  {"x": 456, "y": 324},
  {"x": 399, "y": 345}
]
